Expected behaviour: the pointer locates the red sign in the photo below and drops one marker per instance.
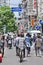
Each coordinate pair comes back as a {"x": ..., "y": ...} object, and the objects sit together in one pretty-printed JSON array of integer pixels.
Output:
[{"x": 35, "y": 2}]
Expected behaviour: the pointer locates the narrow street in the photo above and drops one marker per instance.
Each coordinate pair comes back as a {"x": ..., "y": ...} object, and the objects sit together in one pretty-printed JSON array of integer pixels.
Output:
[{"x": 10, "y": 58}]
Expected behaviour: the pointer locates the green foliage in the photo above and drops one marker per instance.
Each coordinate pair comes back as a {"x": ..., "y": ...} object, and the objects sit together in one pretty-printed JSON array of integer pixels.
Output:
[{"x": 7, "y": 18}]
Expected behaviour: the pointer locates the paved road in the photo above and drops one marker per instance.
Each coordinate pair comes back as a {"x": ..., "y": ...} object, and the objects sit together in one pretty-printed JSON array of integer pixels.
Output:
[{"x": 10, "y": 58}]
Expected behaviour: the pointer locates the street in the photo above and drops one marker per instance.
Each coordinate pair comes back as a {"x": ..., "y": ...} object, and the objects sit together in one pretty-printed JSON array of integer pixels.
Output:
[
  {"x": 21, "y": 25},
  {"x": 10, "y": 58}
]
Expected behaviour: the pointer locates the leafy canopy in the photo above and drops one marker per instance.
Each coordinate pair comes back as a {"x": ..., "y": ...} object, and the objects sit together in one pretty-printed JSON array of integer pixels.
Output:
[{"x": 7, "y": 18}]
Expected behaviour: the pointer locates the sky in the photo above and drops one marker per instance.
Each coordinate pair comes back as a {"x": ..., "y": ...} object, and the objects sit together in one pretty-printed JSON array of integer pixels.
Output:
[{"x": 15, "y": 3}]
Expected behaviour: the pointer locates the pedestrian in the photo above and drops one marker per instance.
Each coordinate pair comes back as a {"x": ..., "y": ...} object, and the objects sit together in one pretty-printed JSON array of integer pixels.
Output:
[
  {"x": 0, "y": 55},
  {"x": 14, "y": 41},
  {"x": 17, "y": 44},
  {"x": 21, "y": 46},
  {"x": 7, "y": 39},
  {"x": 22, "y": 36},
  {"x": 38, "y": 45},
  {"x": 9, "y": 42},
  {"x": 3, "y": 42},
  {"x": 0, "y": 49},
  {"x": 33, "y": 42},
  {"x": 34, "y": 38},
  {"x": 28, "y": 43}
]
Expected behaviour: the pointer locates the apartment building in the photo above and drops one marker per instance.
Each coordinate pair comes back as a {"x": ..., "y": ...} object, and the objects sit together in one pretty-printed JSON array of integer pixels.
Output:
[{"x": 31, "y": 8}]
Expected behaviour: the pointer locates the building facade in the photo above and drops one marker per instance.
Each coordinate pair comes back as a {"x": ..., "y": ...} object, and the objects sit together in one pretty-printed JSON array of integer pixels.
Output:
[
  {"x": 27, "y": 12},
  {"x": 2, "y": 2},
  {"x": 31, "y": 8},
  {"x": 41, "y": 8}
]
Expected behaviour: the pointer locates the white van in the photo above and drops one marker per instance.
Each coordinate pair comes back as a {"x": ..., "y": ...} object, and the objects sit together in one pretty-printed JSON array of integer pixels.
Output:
[{"x": 34, "y": 32}]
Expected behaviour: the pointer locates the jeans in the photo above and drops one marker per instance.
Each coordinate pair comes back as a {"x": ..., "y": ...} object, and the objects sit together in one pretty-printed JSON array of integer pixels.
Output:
[{"x": 28, "y": 50}]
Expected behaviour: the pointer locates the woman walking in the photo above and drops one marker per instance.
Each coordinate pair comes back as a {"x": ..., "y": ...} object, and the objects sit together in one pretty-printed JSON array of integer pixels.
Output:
[{"x": 38, "y": 45}]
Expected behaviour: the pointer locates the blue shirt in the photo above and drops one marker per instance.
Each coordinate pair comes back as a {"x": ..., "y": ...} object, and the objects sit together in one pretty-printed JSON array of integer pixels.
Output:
[{"x": 27, "y": 41}]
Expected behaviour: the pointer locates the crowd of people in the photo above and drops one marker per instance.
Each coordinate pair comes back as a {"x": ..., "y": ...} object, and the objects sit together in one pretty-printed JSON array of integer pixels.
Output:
[
  {"x": 22, "y": 43},
  {"x": 26, "y": 42}
]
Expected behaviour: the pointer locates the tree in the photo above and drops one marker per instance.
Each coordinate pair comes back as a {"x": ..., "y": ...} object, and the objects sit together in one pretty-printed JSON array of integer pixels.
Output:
[{"x": 7, "y": 19}]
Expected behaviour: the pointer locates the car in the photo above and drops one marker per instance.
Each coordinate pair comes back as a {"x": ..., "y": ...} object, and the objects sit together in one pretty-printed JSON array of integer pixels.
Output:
[{"x": 34, "y": 32}]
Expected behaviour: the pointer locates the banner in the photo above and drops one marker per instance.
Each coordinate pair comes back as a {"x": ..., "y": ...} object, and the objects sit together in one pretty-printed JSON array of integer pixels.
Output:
[
  {"x": 32, "y": 22},
  {"x": 34, "y": 5}
]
